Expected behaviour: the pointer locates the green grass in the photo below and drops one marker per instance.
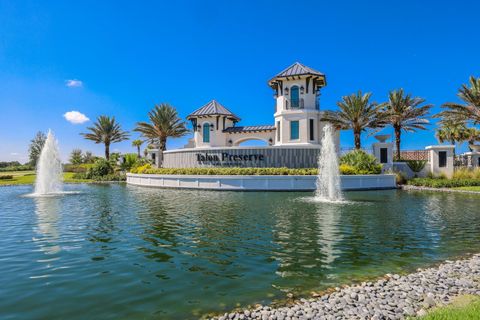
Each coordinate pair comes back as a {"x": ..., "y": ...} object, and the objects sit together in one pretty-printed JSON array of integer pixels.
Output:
[
  {"x": 474, "y": 188},
  {"x": 465, "y": 307},
  {"x": 28, "y": 177}
]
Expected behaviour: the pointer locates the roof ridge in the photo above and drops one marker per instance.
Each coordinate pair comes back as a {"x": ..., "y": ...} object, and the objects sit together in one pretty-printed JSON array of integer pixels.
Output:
[
  {"x": 213, "y": 107},
  {"x": 297, "y": 68}
]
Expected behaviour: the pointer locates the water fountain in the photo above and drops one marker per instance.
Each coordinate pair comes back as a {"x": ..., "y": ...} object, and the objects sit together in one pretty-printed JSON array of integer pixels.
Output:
[
  {"x": 49, "y": 168},
  {"x": 328, "y": 179}
]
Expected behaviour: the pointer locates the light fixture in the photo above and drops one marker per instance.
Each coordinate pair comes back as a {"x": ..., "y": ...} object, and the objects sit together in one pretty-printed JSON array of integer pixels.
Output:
[
  {"x": 286, "y": 91},
  {"x": 211, "y": 126},
  {"x": 302, "y": 89}
]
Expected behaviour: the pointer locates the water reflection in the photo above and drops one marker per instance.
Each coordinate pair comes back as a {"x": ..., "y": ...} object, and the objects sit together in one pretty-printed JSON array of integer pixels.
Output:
[
  {"x": 47, "y": 210},
  {"x": 328, "y": 217}
]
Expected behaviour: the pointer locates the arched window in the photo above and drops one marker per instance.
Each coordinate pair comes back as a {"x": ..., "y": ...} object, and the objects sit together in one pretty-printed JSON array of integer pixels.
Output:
[
  {"x": 295, "y": 97},
  {"x": 206, "y": 132}
]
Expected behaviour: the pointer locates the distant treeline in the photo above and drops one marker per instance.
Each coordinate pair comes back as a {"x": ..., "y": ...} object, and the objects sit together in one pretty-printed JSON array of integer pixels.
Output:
[{"x": 14, "y": 166}]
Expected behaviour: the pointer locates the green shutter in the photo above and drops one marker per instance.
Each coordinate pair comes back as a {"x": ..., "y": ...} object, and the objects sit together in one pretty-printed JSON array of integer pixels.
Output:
[
  {"x": 206, "y": 133},
  {"x": 294, "y": 130}
]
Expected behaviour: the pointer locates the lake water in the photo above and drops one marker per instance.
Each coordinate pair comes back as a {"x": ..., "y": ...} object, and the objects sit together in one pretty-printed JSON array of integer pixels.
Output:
[{"x": 116, "y": 251}]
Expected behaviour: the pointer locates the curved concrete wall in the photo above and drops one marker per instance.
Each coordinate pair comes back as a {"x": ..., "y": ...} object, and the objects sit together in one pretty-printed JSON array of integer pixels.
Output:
[
  {"x": 264, "y": 157},
  {"x": 263, "y": 183}
]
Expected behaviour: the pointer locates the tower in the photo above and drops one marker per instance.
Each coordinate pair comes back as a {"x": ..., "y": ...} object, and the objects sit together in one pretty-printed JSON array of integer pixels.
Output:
[{"x": 297, "y": 108}]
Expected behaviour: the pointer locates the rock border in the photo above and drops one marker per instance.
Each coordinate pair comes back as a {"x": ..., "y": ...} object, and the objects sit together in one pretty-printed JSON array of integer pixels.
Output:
[{"x": 392, "y": 297}]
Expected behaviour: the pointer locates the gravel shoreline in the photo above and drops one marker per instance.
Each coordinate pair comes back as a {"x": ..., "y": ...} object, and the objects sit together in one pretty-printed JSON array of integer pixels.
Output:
[{"x": 393, "y": 297}]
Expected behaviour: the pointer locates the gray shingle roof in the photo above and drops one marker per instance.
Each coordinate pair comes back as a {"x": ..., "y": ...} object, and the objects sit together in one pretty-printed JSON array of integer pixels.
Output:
[
  {"x": 249, "y": 129},
  {"x": 297, "y": 69},
  {"x": 212, "y": 108}
]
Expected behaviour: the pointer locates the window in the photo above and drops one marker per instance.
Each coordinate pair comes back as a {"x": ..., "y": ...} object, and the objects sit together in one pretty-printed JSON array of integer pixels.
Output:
[
  {"x": 153, "y": 157},
  {"x": 278, "y": 131},
  {"x": 311, "y": 129},
  {"x": 206, "y": 133},
  {"x": 442, "y": 159},
  {"x": 295, "y": 97},
  {"x": 294, "y": 130},
  {"x": 383, "y": 155}
]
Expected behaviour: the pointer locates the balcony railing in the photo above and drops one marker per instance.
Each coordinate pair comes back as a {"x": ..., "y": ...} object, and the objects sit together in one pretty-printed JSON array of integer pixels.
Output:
[{"x": 292, "y": 106}]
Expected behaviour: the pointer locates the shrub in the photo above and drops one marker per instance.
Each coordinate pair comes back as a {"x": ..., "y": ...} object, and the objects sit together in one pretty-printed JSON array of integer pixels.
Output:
[
  {"x": 100, "y": 168},
  {"x": 363, "y": 162},
  {"x": 80, "y": 176},
  {"x": 77, "y": 168},
  {"x": 465, "y": 173},
  {"x": 130, "y": 159},
  {"x": 400, "y": 178},
  {"x": 347, "y": 169},
  {"x": 141, "y": 168},
  {"x": 416, "y": 165},
  {"x": 6, "y": 177},
  {"x": 443, "y": 183},
  {"x": 147, "y": 169},
  {"x": 111, "y": 177}
]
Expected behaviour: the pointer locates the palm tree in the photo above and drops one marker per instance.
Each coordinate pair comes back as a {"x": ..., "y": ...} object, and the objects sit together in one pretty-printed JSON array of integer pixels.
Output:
[
  {"x": 107, "y": 131},
  {"x": 356, "y": 113},
  {"x": 164, "y": 123},
  {"x": 137, "y": 143},
  {"x": 452, "y": 131},
  {"x": 472, "y": 135},
  {"x": 470, "y": 111},
  {"x": 403, "y": 112}
]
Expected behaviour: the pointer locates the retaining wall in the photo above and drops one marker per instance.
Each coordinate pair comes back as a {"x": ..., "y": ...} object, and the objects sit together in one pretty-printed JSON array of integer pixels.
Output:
[{"x": 262, "y": 183}]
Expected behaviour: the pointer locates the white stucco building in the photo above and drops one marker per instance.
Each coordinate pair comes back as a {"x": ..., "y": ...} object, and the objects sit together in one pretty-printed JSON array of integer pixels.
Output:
[
  {"x": 296, "y": 117},
  {"x": 293, "y": 140}
]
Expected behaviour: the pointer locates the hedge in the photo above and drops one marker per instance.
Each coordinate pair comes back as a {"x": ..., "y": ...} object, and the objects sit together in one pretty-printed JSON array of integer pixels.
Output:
[
  {"x": 77, "y": 168},
  {"x": 234, "y": 171},
  {"x": 443, "y": 183}
]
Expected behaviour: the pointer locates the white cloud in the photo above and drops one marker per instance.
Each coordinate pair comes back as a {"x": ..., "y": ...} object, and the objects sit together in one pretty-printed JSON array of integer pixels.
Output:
[
  {"x": 75, "y": 117},
  {"x": 14, "y": 154},
  {"x": 73, "y": 83}
]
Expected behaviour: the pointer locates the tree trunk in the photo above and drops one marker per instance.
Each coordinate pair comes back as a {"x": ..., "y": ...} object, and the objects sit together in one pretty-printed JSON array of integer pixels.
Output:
[
  {"x": 138, "y": 151},
  {"x": 163, "y": 144},
  {"x": 107, "y": 151},
  {"x": 398, "y": 134},
  {"x": 357, "y": 140},
  {"x": 162, "y": 147}
]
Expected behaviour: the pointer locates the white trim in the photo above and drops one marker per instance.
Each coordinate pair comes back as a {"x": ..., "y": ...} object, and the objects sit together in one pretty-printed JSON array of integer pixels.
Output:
[
  {"x": 283, "y": 146},
  {"x": 258, "y": 183},
  {"x": 447, "y": 146}
]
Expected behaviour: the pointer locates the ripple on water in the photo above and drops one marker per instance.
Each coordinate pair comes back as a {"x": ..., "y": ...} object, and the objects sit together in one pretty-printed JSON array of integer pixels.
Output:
[{"x": 115, "y": 251}]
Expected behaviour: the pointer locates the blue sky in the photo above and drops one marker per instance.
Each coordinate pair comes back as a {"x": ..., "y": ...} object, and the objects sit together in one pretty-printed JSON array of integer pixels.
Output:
[{"x": 129, "y": 55}]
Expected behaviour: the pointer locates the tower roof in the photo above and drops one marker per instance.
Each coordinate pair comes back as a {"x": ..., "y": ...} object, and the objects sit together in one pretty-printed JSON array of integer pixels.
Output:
[
  {"x": 298, "y": 69},
  {"x": 295, "y": 70},
  {"x": 213, "y": 108}
]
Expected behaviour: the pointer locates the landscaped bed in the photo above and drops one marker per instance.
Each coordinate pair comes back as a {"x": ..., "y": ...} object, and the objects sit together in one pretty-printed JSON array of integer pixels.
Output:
[{"x": 463, "y": 179}]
